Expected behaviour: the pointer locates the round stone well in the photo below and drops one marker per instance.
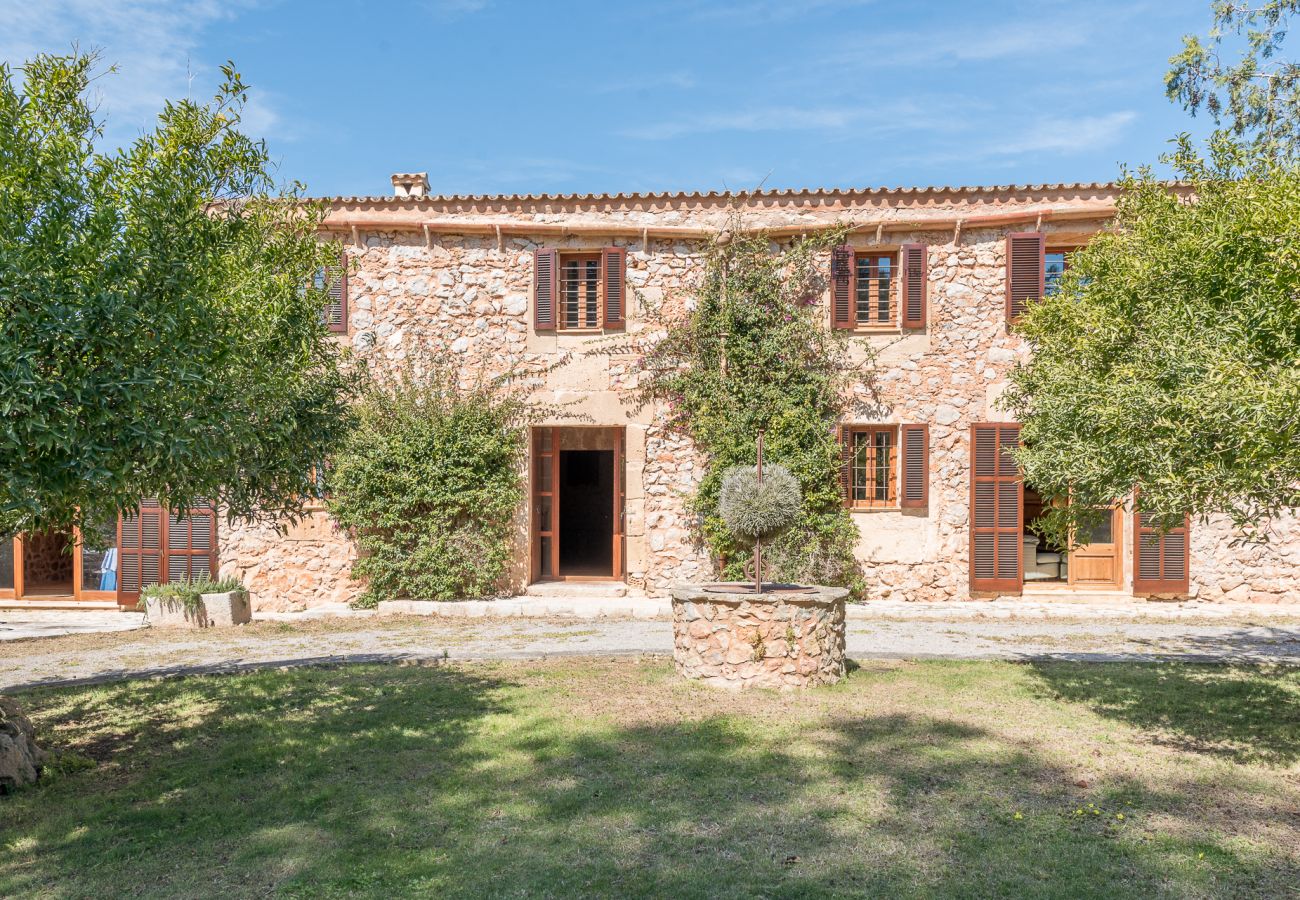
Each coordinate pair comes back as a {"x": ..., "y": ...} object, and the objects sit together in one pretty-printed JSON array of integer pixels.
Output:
[{"x": 772, "y": 640}]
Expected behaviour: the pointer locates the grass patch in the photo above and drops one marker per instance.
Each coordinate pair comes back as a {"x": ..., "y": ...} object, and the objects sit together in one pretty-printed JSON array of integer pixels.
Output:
[{"x": 615, "y": 778}]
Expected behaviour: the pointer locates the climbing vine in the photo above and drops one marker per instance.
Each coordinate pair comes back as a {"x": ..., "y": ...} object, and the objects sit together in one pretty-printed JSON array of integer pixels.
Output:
[{"x": 753, "y": 353}]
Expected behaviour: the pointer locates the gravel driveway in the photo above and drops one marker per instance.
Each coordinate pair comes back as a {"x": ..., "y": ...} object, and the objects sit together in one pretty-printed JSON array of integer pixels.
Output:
[{"x": 96, "y": 655}]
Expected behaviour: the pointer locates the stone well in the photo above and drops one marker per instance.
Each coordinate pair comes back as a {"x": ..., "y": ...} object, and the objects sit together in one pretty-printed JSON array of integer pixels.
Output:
[{"x": 772, "y": 640}]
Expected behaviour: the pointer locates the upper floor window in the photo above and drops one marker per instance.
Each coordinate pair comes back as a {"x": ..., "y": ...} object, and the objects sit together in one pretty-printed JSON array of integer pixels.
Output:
[
  {"x": 1055, "y": 262},
  {"x": 581, "y": 292},
  {"x": 873, "y": 289}
]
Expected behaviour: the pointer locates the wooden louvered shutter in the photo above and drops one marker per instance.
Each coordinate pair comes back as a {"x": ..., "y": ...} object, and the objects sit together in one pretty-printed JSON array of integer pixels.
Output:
[
  {"x": 546, "y": 267},
  {"x": 192, "y": 544},
  {"x": 139, "y": 551},
  {"x": 1160, "y": 561},
  {"x": 915, "y": 285},
  {"x": 915, "y": 451},
  {"x": 997, "y": 511},
  {"x": 846, "y": 464},
  {"x": 1024, "y": 271},
  {"x": 614, "y": 262},
  {"x": 842, "y": 287},
  {"x": 336, "y": 287}
]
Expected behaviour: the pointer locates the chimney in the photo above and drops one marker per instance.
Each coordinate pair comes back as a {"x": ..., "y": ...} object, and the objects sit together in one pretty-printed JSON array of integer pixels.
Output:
[{"x": 411, "y": 184}]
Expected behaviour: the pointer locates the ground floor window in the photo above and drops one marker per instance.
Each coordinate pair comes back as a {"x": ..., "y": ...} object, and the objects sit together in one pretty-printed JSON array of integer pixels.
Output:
[{"x": 873, "y": 469}]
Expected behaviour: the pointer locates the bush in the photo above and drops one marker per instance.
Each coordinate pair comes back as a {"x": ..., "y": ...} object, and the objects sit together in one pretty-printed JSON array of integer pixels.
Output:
[
  {"x": 758, "y": 510},
  {"x": 188, "y": 592},
  {"x": 754, "y": 354},
  {"x": 429, "y": 483}
]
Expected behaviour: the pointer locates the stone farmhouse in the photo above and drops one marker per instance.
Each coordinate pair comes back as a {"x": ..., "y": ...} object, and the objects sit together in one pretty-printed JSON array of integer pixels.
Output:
[{"x": 931, "y": 278}]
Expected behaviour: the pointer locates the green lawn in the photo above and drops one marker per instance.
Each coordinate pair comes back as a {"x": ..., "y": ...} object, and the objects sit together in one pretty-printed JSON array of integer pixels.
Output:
[{"x": 615, "y": 778}]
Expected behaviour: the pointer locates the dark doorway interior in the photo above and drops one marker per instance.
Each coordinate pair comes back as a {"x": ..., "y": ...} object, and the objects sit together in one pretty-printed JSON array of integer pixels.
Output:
[{"x": 587, "y": 512}]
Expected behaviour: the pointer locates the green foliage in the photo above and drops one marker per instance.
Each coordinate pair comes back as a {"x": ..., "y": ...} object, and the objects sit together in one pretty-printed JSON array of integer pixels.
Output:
[
  {"x": 156, "y": 335},
  {"x": 430, "y": 481},
  {"x": 1258, "y": 95},
  {"x": 758, "y": 511},
  {"x": 755, "y": 355},
  {"x": 1170, "y": 359},
  {"x": 189, "y": 592}
]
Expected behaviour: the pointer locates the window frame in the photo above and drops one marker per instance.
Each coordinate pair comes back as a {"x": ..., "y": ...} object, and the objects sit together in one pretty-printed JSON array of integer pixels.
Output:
[
  {"x": 1065, "y": 250},
  {"x": 871, "y": 468},
  {"x": 563, "y": 258},
  {"x": 895, "y": 290}
]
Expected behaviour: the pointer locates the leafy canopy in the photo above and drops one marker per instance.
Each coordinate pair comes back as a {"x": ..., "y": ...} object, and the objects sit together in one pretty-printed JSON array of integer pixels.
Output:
[
  {"x": 755, "y": 355},
  {"x": 430, "y": 481},
  {"x": 1170, "y": 359},
  {"x": 1257, "y": 95},
  {"x": 157, "y": 338}
]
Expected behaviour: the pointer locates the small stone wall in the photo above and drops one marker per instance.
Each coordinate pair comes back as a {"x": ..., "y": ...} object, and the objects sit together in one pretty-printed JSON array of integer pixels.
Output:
[{"x": 741, "y": 641}]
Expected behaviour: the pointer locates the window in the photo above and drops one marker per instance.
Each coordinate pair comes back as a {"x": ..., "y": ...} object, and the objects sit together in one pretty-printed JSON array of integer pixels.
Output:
[
  {"x": 581, "y": 292},
  {"x": 873, "y": 290},
  {"x": 873, "y": 473},
  {"x": 1054, "y": 266},
  {"x": 332, "y": 282}
]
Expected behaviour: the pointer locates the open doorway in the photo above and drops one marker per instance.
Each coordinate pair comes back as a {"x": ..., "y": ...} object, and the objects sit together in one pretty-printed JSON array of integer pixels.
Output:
[
  {"x": 48, "y": 560},
  {"x": 1094, "y": 563},
  {"x": 577, "y": 504}
]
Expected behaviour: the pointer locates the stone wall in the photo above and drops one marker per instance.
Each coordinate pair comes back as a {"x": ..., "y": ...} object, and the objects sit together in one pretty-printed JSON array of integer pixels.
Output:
[{"x": 471, "y": 293}]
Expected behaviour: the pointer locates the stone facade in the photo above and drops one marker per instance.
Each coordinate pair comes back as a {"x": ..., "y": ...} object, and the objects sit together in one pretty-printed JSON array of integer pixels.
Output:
[
  {"x": 740, "y": 641},
  {"x": 457, "y": 272}
]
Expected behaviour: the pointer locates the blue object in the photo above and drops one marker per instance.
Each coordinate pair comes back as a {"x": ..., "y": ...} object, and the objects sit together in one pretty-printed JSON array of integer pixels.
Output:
[{"x": 108, "y": 570}]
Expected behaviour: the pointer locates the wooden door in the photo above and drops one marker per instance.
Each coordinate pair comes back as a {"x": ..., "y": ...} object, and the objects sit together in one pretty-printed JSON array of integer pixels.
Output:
[
  {"x": 1096, "y": 561},
  {"x": 545, "y": 518},
  {"x": 620, "y": 504},
  {"x": 11, "y": 568}
]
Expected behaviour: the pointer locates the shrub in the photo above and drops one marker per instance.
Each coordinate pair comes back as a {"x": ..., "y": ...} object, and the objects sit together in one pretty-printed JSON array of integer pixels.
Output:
[
  {"x": 188, "y": 592},
  {"x": 757, "y": 510},
  {"x": 751, "y": 354},
  {"x": 429, "y": 482}
]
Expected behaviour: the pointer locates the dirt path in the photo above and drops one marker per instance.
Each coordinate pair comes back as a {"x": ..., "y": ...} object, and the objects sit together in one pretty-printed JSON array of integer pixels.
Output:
[{"x": 146, "y": 652}]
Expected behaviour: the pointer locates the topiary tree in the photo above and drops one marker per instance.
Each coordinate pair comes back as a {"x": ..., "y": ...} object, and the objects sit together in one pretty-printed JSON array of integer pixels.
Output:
[{"x": 759, "y": 503}]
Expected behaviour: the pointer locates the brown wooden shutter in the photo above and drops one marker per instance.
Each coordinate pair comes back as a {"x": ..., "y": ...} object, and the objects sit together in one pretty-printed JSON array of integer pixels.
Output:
[
  {"x": 916, "y": 277},
  {"x": 192, "y": 544},
  {"x": 996, "y": 511},
  {"x": 336, "y": 288},
  {"x": 915, "y": 449},
  {"x": 846, "y": 464},
  {"x": 546, "y": 267},
  {"x": 1024, "y": 271},
  {"x": 614, "y": 262},
  {"x": 139, "y": 551},
  {"x": 1160, "y": 561},
  {"x": 842, "y": 287}
]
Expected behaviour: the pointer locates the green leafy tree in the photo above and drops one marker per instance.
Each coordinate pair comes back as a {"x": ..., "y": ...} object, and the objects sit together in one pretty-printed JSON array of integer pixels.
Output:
[
  {"x": 158, "y": 334},
  {"x": 430, "y": 480},
  {"x": 1169, "y": 360},
  {"x": 1257, "y": 95},
  {"x": 754, "y": 354}
]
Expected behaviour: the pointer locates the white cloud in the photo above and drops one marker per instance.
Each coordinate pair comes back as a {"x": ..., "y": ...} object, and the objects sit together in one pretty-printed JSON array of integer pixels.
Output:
[
  {"x": 152, "y": 44},
  {"x": 775, "y": 118},
  {"x": 1073, "y": 135},
  {"x": 680, "y": 80},
  {"x": 454, "y": 9}
]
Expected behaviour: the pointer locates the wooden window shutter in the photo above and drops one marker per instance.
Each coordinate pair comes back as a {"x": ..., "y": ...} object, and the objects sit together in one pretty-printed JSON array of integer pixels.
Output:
[
  {"x": 916, "y": 276},
  {"x": 192, "y": 544},
  {"x": 336, "y": 288},
  {"x": 846, "y": 465},
  {"x": 1024, "y": 271},
  {"x": 614, "y": 262},
  {"x": 1160, "y": 561},
  {"x": 139, "y": 551},
  {"x": 842, "y": 287},
  {"x": 996, "y": 511},
  {"x": 915, "y": 451},
  {"x": 546, "y": 267}
]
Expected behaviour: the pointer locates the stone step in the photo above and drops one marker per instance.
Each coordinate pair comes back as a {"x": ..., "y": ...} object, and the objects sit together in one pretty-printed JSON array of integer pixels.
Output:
[
  {"x": 68, "y": 603},
  {"x": 1078, "y": 596},
  {"x": 577, "y": 589}
]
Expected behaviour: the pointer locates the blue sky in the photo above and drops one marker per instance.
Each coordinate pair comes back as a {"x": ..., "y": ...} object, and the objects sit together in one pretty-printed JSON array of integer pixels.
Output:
[{"x": 506, "y": 95}]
